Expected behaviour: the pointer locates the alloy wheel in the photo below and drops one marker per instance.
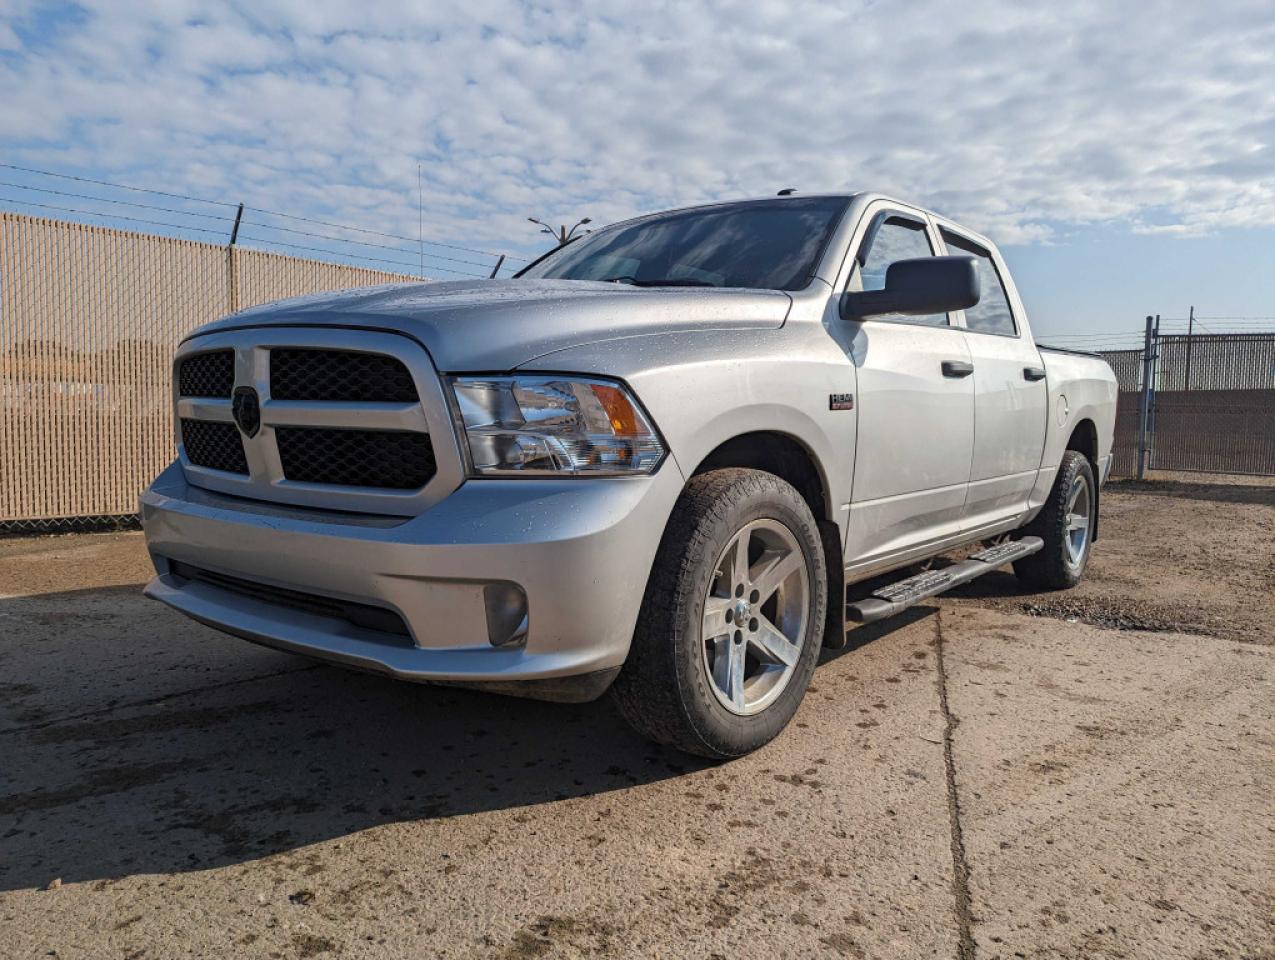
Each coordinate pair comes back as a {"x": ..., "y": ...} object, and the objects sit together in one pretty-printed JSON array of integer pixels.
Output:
[
  {"x": 755, "y": 616},
  {"x": 1079, "y": 500}
]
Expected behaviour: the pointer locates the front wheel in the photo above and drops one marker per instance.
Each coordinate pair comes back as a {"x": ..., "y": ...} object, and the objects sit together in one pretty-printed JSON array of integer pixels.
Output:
[
  {"x": 730, "y": 628},
  {"x": 1066, "y": 523}
]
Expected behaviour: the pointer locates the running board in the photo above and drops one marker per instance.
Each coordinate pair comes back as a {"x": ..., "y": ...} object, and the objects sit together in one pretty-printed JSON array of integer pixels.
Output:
[{"x": 897, "y": 597}]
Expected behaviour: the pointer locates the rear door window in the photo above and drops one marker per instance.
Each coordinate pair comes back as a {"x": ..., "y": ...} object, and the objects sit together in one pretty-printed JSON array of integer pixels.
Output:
[{"x": 992, "y": 313}]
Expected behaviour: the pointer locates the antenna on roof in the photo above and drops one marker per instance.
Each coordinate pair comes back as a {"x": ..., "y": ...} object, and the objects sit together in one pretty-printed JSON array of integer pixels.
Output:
[{"x": 787, "y": 192}]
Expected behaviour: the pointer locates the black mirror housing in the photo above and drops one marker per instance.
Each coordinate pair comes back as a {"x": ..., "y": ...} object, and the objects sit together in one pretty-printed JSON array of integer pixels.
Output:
[{"x": 918, "y": 287}]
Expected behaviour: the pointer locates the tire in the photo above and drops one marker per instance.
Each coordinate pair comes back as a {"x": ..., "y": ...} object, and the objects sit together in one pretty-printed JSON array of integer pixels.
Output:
[
  {"x": 680, "y": 685},
  {"x": 1058, "y": 566}
]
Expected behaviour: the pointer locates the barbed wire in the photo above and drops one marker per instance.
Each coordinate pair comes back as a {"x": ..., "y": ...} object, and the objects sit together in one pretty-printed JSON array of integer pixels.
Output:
[
  {"x": 127, "y": 203},
  {"x": 418, "y": 241},
  {"x": 377, "y": 233},
  {"x": 335, "y": 253},
  {"x": 192, "y": 213},
  {"x": 278, "y": 243},
  {"x": 361, "y": 243},
  {"x": 110, "y": 216},
  {"x": 118, "y": 186},
  {"x": 1241, "y": 319}
]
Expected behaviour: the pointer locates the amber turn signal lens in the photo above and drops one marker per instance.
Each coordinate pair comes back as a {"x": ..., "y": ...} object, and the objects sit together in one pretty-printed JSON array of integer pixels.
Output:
[{"x": 618, "y": 409}]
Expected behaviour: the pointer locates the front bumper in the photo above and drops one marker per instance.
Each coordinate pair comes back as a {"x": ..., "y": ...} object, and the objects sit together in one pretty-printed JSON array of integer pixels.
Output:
[{"x": 579, "y": 550}]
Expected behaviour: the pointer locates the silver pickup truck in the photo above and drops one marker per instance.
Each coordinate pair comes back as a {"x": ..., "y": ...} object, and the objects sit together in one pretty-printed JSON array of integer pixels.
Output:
[{"x": 670, "y": 460}]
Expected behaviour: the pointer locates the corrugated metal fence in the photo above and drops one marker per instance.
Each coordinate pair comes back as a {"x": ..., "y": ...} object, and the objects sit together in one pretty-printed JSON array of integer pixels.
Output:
[
  {"x": 1210, "y": 409},
  {"x": 89, "y": 319}
]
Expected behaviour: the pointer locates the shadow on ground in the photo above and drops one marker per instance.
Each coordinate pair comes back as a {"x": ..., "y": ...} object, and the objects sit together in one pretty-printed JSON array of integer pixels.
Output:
[
  {"x": 257, "y": 766},
  {"x": 238, "y": 766},
  {"x": 1262, "y": 495},
  {"x": 858, "y": 637},
  {"x": 996, "y": 585}
]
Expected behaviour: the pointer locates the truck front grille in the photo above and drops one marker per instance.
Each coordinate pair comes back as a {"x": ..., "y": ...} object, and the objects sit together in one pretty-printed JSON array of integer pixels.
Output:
[
  {"x": 210, "y": 374},
  {"x": 387, "y": 623},
  {"x": 337, "y": 419},
  {"x": 339, "y": 375},
  {"x": 390, "y": 459},
  {"x": 214, "y": 445}
]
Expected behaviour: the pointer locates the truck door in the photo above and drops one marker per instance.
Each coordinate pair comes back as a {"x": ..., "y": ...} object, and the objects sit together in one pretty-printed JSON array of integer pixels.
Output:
[
  {"x": 1011, "y": 398},
  {"x": 915, "y": 408}
]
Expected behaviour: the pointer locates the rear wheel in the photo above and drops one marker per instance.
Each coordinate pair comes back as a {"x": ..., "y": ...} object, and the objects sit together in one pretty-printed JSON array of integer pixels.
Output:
[
  {"x": 730, "y": 627},
  {"x": 1066, "y": 524}
]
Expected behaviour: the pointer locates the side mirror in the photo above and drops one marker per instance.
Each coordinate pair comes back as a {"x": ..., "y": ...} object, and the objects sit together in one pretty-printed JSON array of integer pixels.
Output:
[{"x": 918, "y": 287}]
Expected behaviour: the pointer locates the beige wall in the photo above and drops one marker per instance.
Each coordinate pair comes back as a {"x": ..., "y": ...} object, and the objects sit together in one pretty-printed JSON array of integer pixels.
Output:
[{"x": 89, "y": 318}]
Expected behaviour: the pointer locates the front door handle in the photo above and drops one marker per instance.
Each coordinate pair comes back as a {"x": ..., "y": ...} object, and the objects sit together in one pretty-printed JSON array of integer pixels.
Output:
[
  {"x": 956, "y": 369},
  {"x": 1033, "y": 373}
]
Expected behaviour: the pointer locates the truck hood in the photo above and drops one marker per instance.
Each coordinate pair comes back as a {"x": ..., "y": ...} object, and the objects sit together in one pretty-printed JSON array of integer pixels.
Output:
[{"x": 492, "y": 325}]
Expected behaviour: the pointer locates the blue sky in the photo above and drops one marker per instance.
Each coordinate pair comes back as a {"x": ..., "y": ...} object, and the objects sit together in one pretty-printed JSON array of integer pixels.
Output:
[{"x": 1120, "y": 153}]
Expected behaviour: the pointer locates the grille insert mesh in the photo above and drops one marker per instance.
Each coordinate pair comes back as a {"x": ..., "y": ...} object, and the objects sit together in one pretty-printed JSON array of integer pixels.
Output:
[
  {"x": 339, "y": 375},
  {"x": 210, "y": 374},
  {"x": 214, "y": 444},
  {"x": 391, "y": 459}
]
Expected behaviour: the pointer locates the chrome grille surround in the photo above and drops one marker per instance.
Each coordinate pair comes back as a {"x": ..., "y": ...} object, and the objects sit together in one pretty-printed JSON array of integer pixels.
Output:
[{"x": 266, "y": 478}]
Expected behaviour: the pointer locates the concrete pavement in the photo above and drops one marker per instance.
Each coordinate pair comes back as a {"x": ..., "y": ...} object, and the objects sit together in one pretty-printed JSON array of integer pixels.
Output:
[{"x": 964, "y": 781}]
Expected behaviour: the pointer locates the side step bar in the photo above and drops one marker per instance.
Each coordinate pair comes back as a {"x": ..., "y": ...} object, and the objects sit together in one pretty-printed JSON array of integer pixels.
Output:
[{"x": 897, "y": 597}]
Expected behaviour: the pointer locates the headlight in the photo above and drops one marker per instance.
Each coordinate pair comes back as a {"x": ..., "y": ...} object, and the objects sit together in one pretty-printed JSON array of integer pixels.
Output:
[{"x": 554, "y": 425}]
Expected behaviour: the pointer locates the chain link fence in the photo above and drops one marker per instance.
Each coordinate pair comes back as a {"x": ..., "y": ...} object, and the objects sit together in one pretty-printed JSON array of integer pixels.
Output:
[
  {"x": 89, "y": 319},
  {"x": 1127, "y": 365},
  {"x": 1196, "y": 403}
]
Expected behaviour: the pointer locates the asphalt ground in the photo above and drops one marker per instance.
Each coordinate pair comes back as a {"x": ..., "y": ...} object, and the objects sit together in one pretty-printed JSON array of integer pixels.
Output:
[{"x": 994, "y": 774}]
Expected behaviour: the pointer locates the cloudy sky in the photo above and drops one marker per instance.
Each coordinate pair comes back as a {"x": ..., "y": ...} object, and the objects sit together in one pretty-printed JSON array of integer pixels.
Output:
[{"x": 1122, "y": 152}]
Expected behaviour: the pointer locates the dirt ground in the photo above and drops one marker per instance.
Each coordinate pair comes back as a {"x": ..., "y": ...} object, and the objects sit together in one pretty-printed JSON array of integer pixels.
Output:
[{"x": 997, "y": 774}]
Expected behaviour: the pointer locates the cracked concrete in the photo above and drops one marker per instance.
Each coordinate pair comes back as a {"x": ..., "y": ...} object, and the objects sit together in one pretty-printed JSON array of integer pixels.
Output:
[
  {"x": 962, "y": 909},
  {"x": 1116, "y": 788},
  {"x": 969, "y": 780}
]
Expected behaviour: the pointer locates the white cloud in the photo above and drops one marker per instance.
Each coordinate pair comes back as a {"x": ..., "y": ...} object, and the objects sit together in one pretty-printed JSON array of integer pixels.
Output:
[{"x": 1020, "y": 120}]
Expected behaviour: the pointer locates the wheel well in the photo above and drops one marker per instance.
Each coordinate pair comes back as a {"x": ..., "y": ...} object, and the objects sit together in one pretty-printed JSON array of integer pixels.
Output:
[
  {"x": 775, "y": 453},
  {"x": 1084, "y": 439}
]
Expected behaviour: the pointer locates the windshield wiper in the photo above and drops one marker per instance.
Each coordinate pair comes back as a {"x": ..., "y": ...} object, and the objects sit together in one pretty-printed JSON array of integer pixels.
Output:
[{"x": 634, "y": 282}]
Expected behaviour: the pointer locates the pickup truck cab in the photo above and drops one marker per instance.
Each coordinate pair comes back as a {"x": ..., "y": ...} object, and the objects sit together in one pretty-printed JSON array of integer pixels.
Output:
[{"x": 651, "y": 463}]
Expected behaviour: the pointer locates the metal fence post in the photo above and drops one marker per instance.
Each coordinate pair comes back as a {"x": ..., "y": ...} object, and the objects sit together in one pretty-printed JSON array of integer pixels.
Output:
[
  {"x": 1153, "y": 406},
  {"x": 1190, "y": 327},
  {"x": 231, "y": 279},
  {"x": 1144, "y": 402}
]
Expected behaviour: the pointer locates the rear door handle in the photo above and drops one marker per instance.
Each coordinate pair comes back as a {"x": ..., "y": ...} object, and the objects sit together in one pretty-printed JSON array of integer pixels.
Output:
[
  {"x": 956, "y": 369},
  {"x": 1033, "y": 373}
]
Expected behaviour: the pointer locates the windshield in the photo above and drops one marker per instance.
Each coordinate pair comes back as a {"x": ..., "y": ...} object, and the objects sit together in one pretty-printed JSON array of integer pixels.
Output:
[{"x": 764, "y": 245}]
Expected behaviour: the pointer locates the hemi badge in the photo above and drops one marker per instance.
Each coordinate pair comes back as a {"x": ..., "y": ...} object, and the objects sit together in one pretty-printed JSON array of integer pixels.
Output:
[{"x": 841, "y": 401}]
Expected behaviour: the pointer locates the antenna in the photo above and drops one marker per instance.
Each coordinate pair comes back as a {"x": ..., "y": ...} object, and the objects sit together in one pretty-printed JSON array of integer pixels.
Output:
[
  {"x": 420, "y": 218},
  {"x": 787, "y": 192}
]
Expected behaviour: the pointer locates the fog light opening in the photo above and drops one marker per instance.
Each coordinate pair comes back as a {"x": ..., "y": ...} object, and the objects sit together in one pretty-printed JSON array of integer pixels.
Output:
[{"x": 506, "y": 605}]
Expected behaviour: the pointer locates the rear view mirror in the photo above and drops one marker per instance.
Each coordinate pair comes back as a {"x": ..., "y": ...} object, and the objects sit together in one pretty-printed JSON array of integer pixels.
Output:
[{"x": 918, "y": 287}]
